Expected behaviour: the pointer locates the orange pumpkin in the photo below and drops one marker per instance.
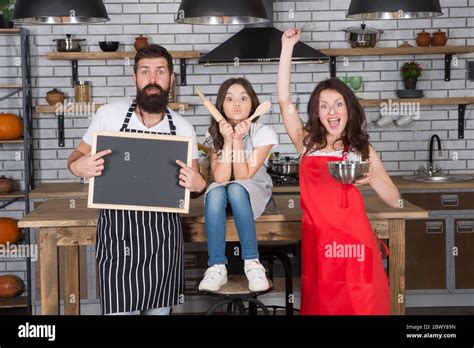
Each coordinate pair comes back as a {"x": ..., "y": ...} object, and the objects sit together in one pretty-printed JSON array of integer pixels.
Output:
[
  {"x": 9, "y": 231},
  {"x": 10, "y": 286},
  {"x": 11, "y": 127}
]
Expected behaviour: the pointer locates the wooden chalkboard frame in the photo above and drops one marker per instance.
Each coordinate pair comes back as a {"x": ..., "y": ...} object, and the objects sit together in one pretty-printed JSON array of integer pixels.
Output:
[{"x": 172, "y": 138}]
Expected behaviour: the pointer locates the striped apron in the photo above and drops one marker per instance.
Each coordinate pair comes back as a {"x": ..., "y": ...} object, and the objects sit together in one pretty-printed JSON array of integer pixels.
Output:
[{"x": 139, "y": 254}]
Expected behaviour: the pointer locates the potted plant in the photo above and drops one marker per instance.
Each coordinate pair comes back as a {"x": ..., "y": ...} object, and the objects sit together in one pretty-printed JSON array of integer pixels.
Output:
[
  {"x": 6, "y": 10},
  {"x": 410, "y": 72}
]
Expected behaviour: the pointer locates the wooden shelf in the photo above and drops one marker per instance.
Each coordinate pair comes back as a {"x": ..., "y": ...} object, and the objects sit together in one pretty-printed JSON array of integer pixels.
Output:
[
  {"x": 10, "y": 31},
  {"x": 13, "y": 302},
  {"x": 383, "y": 51},
  {"x": 113, "y": 55},
  {"x": 448, "y": 52},
  {"x": 52, "y": 108},
  {"x": 460, "y": 102},
  {"x": 10, "y": 85},
  {"x": 11, "y": 195},
  {"x": 422, "y": 101},
  {"x": 16, "y": 141},
  {"x": 74, "y": 57}
]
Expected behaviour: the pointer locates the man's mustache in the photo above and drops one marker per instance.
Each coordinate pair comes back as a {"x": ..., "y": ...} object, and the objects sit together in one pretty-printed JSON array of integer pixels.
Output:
[{"x": 150, "y": 86}]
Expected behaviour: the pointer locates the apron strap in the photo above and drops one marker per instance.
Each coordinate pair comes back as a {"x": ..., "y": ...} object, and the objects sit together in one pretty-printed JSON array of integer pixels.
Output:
[
  {"x": 128, "y": 117},
  {"x": 344, "y": 199}
]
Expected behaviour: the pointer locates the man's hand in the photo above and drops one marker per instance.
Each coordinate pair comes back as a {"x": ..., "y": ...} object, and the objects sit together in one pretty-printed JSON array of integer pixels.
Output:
[
  {"x": 90, "y": 166},
  {"x": 190, "y": 178}
]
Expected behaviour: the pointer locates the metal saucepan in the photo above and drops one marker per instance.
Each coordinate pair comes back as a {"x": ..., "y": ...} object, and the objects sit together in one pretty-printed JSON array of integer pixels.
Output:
[
  {"x": 288, "y": 166},
  {"x": 362, "y": 37},
  {"x": 68, "y": 44}
]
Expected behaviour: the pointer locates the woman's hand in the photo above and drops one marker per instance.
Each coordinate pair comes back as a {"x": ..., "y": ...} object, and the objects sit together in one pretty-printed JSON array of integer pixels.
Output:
[
  {"x": 367, "y": 176},
  {"x": 242, "y": 129},
  {"x": 365, "y": 180},
  {"x": 226, "y": 130},
  {"x": 90, "y": 166},
  {"x": 291, "y": 37}
]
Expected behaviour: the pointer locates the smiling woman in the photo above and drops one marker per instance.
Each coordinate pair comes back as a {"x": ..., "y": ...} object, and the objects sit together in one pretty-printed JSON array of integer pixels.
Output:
[{"x": 334, "y": 212}]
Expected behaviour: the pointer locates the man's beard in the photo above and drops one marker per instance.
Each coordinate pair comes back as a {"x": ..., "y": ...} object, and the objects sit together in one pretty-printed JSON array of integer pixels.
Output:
[{"x": 155, "y": 103}]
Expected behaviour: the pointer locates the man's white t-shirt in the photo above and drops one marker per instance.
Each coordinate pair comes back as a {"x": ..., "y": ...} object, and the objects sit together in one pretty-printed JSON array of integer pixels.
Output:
[{"x": 110, "y": 118}]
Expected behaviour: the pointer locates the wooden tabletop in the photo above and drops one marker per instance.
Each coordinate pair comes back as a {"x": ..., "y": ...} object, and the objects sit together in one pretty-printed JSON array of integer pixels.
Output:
[
  {"x": 79, "y": 190},
  {"x": 74, "y": 212}
]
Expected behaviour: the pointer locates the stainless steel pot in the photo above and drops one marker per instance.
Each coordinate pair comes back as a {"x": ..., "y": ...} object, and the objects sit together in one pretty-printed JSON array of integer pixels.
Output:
[
  {"x": 288, "y": 166},
  {"x": 68, "y": 44},
  {"x": 362, "y": 37}
]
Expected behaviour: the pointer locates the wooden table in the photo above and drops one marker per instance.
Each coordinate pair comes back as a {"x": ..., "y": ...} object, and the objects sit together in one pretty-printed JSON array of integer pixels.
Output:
[{"x": 69, "y": 224}]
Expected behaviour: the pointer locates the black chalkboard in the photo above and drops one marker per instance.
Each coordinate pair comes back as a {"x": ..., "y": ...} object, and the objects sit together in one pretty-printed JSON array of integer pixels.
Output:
[{"x": 141, "y": 172}]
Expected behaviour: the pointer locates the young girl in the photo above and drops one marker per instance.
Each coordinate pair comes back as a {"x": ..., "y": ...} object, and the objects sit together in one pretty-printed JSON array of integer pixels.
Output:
[
  {"x": 334, "y": 216},
  {"x": 239, "y": 152}
]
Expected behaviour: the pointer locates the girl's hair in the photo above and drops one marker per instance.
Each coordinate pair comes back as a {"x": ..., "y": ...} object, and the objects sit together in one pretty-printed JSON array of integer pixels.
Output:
[
  {"x": 354, "y": 135},
  {"x": 216, "y": 140}
]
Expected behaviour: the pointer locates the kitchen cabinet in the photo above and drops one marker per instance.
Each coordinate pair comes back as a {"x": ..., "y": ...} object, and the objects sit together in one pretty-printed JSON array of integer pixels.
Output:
[
  {"x": 426, "y": 254},
  {"x": 464, "y": 253},
  {"x": 27, "y": 155},
  {"x": 440, "y": 250}
]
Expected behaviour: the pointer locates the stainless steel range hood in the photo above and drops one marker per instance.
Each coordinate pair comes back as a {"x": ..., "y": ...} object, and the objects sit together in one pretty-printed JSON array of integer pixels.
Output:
[{"x": 260, "y": 43}]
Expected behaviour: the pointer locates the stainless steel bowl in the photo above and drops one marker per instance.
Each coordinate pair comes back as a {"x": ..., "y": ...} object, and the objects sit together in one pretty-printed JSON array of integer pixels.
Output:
[{"x": 348, "y": 172}]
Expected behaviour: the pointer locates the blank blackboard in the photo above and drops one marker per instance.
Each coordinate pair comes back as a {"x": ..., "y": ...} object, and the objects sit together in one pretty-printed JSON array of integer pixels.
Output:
[{"x": 141, "y": 172}]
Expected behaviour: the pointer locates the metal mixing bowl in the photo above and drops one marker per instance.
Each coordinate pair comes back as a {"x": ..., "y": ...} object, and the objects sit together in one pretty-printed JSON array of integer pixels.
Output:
[{"x": 348, "y": 172}]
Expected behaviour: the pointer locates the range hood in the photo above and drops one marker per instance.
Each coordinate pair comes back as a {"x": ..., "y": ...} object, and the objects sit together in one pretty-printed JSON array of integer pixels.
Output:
[{"x": 260, "y": 43}]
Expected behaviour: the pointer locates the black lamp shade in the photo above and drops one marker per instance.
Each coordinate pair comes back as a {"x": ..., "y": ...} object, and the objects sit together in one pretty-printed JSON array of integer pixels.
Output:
[
  {"x": 59, "y": 12},
  {"x": 393, "y": 9},
  {"x": 222, "y": 12}
]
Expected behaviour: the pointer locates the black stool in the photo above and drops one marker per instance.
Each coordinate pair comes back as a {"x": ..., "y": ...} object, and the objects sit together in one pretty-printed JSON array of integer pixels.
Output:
[{"x": 234, "y": 293}]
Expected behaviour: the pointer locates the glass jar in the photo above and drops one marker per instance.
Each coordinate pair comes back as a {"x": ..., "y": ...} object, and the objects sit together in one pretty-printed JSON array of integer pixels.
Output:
[{"x": 82, "y": 92}]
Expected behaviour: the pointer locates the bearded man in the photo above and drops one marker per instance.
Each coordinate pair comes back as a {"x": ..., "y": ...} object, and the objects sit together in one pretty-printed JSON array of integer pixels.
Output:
[{"x": 140, "y": 254}]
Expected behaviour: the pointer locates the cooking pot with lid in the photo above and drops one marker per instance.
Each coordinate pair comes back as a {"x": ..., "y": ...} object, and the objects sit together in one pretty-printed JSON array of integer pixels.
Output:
[
  {"x": 287, "y": 166},
  {"x": 362, "y": 37}
]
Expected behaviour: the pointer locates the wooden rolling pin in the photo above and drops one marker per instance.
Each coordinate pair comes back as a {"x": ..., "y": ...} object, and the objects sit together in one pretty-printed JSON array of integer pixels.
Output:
[{"x": 210, "y": 107}]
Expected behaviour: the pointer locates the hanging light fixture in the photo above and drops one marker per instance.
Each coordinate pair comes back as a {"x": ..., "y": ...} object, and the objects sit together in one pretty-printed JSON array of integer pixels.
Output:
[
  {"x": 222, "y": 12},
  {"x": 393, "y": 9},
  {"x": 59, "y": 12}
]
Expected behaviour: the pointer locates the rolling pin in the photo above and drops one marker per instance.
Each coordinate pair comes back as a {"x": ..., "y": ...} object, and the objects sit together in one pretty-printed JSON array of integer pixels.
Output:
[{"x": 210, "y": 107}]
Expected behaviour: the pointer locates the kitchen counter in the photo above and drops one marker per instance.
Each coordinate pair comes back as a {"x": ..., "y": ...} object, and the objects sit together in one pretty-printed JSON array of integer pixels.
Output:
[
  {"x": 66, "y": 225},
  {"x": 79, "y": 190},
  {"x": 402, "y": 185}
]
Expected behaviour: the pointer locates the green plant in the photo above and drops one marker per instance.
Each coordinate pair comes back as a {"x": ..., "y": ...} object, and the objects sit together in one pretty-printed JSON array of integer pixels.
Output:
[
  {"x": 411, "y": 70},
  {"x": 6, "y": 8}
]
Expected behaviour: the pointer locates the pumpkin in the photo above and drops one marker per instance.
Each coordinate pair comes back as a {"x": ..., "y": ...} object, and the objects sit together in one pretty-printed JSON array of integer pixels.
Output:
[
  {"x": 11, "y": 127},
  {"x": 10, "y": 286},
  {"x": 9, "y": 231}
]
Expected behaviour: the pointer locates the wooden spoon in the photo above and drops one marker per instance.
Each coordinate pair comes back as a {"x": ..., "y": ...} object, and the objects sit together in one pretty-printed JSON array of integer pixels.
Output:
[{"x": 262, "y": 109}]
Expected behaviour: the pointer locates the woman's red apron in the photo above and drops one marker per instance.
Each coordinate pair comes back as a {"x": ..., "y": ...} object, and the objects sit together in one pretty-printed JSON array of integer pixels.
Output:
[{"x": 342, "y": 271}]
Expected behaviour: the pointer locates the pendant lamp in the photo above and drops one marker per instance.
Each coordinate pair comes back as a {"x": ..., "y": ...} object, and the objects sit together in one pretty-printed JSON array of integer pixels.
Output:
[
  {"x": 59, "y": 12},
  {"x": 222, "y": 12},
  {"x": 393, "y": 9}
]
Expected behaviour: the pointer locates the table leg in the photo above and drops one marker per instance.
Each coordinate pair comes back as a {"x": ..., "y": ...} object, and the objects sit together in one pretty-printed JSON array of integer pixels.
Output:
[
  {"x": 396, "y": 232},
  {"x": 72, "y": 300},
  {"x": 49, "y": 271}
]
